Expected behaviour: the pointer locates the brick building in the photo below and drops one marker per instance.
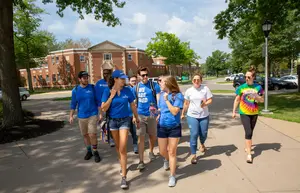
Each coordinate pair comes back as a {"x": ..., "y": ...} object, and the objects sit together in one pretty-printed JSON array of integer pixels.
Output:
[{"x": 60, "y": 68}]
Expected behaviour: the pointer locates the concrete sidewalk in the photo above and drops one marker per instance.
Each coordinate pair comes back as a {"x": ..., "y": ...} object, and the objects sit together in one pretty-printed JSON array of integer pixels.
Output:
[{"x": 54, "y": 163}]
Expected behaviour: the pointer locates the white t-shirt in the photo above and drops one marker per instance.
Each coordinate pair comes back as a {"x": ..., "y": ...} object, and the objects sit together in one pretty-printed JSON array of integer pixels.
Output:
[{"x": 195, "y": 96}]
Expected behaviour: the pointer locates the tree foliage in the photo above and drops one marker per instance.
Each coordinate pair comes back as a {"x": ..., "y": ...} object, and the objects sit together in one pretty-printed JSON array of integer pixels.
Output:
[
  {"x": 217, "y": 62},
  {"x": 29, "y": 42},
  {"x": 70, "y": 43},
  {"x": 170, "y": 47}
]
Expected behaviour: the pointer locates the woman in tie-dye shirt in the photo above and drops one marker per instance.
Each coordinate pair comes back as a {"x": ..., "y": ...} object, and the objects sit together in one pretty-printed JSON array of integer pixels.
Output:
[{"x": 248, "y": 96}]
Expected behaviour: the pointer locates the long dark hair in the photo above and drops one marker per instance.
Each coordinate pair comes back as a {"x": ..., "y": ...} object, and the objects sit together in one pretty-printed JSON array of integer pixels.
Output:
[{"x": 111, "y": 82}]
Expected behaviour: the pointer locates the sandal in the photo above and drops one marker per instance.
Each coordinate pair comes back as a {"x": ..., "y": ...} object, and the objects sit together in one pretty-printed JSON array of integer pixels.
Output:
[
  {"x": 203, "y": 149},
  {"x": 194, "y": 160}
]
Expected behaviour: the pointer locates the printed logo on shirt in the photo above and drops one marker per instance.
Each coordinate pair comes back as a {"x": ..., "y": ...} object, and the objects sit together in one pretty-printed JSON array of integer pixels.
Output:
[
  {"x": 103, "y": 85},
  {"x": 142, "y": 95},
  {"x": 125, "y": 97},
  {"x": 88, "y": 91}
]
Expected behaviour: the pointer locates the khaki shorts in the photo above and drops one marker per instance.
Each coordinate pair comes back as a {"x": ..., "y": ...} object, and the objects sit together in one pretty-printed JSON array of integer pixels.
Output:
[
  {"x": 147, "y": 125},
  {"x": 88, "y": 125}
]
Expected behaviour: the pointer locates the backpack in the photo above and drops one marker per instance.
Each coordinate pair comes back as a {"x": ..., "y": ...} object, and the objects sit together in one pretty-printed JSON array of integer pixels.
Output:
[{"x": 152, "y": 89}]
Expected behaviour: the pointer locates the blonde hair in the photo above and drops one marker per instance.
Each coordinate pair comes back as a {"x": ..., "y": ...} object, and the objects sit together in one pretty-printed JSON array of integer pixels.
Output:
[{"x": 171, "y": 84}]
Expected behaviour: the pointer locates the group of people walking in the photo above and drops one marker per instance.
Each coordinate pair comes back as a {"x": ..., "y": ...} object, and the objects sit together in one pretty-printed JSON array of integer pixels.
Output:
[{"x": 144, "y": 107}]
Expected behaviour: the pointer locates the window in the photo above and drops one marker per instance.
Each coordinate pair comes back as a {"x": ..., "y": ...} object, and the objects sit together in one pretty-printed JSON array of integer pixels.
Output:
[
  {"x": 81, "y": 58},
  {"x": 53, "y": 77},
  {"x": 47, "y": 78},
  {"x": 40, "y": 77},
  {"x": 68, "y": 66},
  {"x": 58, "y": 77},
  {"x": 129, "y": 57},
  {"x": 52, "y": 59},
  {"x": 34, "y": 78},
  {"x": 57, "y": 59},
  {"x": 107, "y": 57}
]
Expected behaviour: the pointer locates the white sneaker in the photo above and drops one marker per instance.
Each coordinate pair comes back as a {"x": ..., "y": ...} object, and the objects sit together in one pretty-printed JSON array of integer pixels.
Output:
[{"x": 166, "y": 165}]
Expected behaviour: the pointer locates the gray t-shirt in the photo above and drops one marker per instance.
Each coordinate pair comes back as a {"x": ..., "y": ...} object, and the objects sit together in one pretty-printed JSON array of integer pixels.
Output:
[{"x": 195, "y": 96}]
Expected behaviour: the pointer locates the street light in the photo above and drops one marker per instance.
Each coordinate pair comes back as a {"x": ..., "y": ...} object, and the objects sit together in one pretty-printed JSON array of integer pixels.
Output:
[{"x": 266, "y": 27}]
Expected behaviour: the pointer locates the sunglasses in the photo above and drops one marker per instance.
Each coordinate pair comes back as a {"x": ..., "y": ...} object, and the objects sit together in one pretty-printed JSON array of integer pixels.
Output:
[
  {"x": 143, "y": 75},
  {"x": 159, "y": 81},
  {"x": 196, "y": 80},
  {"x": 106, "y": 73},
  {"x": 248, "y": 77}
]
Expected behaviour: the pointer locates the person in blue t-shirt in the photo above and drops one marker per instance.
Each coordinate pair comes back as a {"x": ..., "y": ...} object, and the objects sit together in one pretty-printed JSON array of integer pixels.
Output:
[
  {"x": 169, "y": 125},
  {"x": 115, "y": 101},
  {"x": 146, "y": 94},
  {"x": 132, "y": 83},
  {"x": 100, "y": 86},
  {"x": 84, "y": 97}
]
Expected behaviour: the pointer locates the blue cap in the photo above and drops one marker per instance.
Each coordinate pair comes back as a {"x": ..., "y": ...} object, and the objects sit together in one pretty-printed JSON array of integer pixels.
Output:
[{"x": 119, "y": 74}]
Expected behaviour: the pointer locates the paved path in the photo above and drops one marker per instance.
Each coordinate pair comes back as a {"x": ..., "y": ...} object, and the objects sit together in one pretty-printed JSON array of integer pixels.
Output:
[{"x": 54, "y": 163}]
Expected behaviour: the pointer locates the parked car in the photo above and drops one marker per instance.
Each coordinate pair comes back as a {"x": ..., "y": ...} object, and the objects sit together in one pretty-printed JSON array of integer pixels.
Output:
[
  {"x": 239, "y": 80},
  {"x": 230, "y": 78},
  {"x": 278, "y": 83},
  {"x": 290, "y": 78},
  {"x": 24, "y": 93}
]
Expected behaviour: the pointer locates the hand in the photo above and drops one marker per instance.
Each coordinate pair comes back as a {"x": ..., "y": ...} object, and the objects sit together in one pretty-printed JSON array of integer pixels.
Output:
[
  {"x": 166, "y": 96},
  {"x": 234, "y": 115},
  {"x": 100, "y": 117},
  {"x": 157, "y": 118},
  {"x": 136, "y": 121},
  {"x": 203, "y": 103},
  {"x": 113, "y": 93},
  {"x": 71, "y": 119},
  {"x": 182, "y": 117}
]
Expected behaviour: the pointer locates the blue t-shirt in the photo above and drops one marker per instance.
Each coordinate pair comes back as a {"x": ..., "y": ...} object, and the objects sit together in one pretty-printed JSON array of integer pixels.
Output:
[
  {"x": 119, "y": 105},
  {"x": 85, "y": 99},
  {"x": 100, "y": 86},
  {"x": 145, "y": 97},
  {"x": 129, "y": 108},
  {"x": 167, "y": 119}
]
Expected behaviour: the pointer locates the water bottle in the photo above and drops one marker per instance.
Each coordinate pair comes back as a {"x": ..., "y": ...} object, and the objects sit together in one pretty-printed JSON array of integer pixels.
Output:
[{"x": 152, "y": 110}]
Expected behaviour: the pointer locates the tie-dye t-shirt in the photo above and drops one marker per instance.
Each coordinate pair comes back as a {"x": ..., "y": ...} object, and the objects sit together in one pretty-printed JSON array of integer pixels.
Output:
[{"x": 248, "y": 106}]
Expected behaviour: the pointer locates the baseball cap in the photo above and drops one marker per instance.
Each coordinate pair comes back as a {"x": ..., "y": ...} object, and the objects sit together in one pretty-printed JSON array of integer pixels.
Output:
[
  {"x": 119, "y": 74},
  {"x": 82, "y": 73}
]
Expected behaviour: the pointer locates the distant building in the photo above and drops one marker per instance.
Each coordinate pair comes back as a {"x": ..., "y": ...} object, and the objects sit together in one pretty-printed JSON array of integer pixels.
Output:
[{"x": 60, "y": 68}]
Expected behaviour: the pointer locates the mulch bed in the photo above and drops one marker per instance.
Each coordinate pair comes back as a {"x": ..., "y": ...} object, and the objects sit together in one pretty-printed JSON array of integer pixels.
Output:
[{"x": 32, "y": 128}]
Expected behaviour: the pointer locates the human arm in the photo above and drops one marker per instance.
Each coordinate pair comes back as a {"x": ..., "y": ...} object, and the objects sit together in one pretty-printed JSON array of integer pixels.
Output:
[
  {"x": 173, "y": 109},
  {"x": 107, "y": 98},
  {"x": 235, "y": 105},
  {"x": 208, "y": 98},
  {"x": 73, "y": 106}
]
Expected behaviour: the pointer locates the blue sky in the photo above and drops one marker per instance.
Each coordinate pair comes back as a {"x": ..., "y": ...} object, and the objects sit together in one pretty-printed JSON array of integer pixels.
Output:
[{"x": 190, "y": 20}]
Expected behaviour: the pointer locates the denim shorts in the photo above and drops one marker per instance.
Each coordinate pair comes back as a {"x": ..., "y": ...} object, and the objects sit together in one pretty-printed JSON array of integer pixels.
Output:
[
  {"x": 119, "y": 123},
  {"x": 165, "y": 132}
]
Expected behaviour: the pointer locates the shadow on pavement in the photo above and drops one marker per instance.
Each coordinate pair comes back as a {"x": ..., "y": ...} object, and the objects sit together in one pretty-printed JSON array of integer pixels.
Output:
[
  {"x": 218, "y": 150},
  {"x": 200, "y": 167},
  {"x": 259, "y": 148}
]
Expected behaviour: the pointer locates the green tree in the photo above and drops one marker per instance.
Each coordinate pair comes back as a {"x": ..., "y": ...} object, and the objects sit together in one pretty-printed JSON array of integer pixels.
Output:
[
  {"x": 169, "y": 46},
  {"x": 217, "y": 62},
  {"x": 12, "y": 110},
  {"x": 29, "y": 42}
]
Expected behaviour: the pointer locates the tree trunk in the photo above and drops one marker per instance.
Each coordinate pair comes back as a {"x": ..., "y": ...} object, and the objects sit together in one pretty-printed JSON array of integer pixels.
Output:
[
  {"x": 12, "y": 110},
  {"x": 29, "y": 79}
]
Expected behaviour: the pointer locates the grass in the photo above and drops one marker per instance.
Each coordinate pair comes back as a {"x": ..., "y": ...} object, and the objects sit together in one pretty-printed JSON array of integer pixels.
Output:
[
  {"x": 45, "y": 90},
  {"x": 183, "y": 82},
  {"x": 228, "y": 82},
  {"x": 284, "y": 107},
  {"x": 223, "y": 91},
  {"x": 63, "y": 99}
]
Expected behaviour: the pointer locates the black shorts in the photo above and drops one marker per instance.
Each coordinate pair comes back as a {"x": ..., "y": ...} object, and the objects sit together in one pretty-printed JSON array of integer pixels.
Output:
[{"x": 165, "y": 132}]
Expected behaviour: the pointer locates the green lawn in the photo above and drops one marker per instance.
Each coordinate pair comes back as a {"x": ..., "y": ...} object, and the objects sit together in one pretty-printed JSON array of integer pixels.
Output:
[
  {"x": 184, "y": 82},
  {"x": 63, "y": 99},
  {"x": 284, "y": 107},
  {"x": 45, "y": 90},
  {"x": 223, "y": 91},
  {"x": 225, "y": 82}
]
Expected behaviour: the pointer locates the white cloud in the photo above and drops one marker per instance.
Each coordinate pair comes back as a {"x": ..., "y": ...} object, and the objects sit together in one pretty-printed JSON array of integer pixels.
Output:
[
  {"x": 139, "y": 18},
  {"x": 87, "y": 26},
  {"x": 56, "y": 27}
]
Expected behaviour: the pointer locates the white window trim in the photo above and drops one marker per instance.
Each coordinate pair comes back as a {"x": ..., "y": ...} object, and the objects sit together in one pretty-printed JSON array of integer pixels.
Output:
[
  {"x": 83, "y": 58},
  {"x": 129, "y": 59},
  {"x": 104, "y": 58}
]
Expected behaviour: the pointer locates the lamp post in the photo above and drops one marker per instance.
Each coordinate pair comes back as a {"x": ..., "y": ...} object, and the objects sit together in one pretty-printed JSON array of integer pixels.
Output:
[{"x": 266, "y": 27}]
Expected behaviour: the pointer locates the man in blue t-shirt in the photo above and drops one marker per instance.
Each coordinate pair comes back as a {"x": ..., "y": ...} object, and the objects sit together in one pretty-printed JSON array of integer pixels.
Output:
[
  {"x": 100, "y": 86},
  {"x": 147, "y": 95},
  {"x": 84, "y": 99}
]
